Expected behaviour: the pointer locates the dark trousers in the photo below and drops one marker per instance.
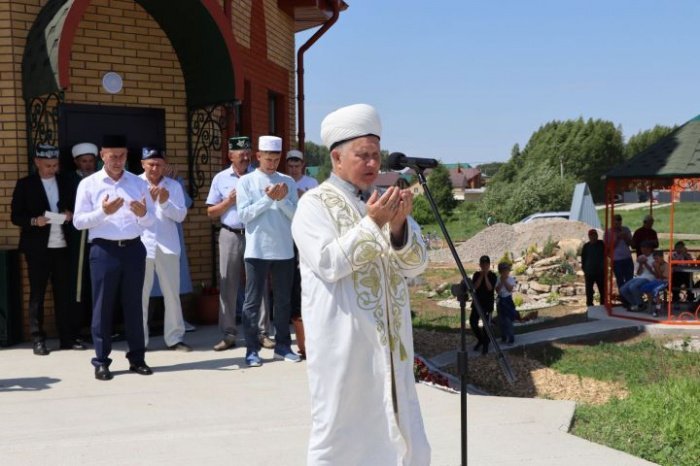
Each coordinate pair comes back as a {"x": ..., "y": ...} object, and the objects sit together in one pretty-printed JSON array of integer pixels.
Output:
[
  {"x": 597, "y": 279},
  {"x": 623, "y": 270},
  {"x": 296, "y": 287},
  {"x": 281, "y": 273},
  {"x": 478, "y": 332},
  {"x": 43, "y": 265},
  {"x": 117, "y": 272}
]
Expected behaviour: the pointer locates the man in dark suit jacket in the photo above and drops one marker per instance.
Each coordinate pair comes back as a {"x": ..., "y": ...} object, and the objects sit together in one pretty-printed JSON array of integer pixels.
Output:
[{"x": 44, "y": 244}]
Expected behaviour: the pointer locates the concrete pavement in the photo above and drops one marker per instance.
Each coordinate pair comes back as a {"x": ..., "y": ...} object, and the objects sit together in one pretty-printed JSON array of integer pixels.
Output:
[{"x": 207, "y": 408}]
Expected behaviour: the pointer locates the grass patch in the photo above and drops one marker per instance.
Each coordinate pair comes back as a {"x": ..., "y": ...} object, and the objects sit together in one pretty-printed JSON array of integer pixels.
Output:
[
  {"x": 660, "y": 420},
  {"x": 462, "y": 224},
  {"x": 686, "y": 217}
]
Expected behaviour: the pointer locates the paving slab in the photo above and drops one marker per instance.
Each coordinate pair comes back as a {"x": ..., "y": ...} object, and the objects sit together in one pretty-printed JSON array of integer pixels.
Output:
[{"x": 206, "y": 407}]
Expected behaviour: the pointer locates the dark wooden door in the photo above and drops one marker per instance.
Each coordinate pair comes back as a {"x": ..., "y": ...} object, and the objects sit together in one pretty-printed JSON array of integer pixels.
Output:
[{"x": 88, "y": 123}]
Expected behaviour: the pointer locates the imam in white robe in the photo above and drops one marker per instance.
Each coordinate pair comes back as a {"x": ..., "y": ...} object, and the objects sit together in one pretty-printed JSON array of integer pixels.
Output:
[{"x": 359, "y": 338}]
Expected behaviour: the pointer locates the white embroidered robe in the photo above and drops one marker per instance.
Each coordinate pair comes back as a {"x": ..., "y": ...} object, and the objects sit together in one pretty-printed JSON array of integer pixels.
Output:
[{"x": 357, "y": 320}]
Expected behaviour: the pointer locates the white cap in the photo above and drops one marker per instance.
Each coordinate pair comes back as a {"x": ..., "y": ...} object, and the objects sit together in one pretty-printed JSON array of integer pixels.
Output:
[
  {"x": 351, "y": 122},
  {"x": 295, "y": 154},
  {"x": 270, "y": 144},
  {"x": 83, "y": 149}
]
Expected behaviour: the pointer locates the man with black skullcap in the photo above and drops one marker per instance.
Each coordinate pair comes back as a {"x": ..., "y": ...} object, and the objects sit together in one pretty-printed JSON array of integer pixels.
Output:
[
  {"x": 38, "y": 201},
  {"x": 115, "y": 206},
  {"x": 355, "y": 257},
  {"x": 222, "y": 203},
  {"x": 162, "y": 242}
]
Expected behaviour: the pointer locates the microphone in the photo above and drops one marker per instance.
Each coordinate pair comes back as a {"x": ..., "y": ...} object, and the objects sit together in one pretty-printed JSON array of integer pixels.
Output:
[{"x": 398, "y": 161}]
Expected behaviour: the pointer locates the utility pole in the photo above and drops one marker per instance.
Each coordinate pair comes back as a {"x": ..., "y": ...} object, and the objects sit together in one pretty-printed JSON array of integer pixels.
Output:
[{"x": 561, "y": 166}]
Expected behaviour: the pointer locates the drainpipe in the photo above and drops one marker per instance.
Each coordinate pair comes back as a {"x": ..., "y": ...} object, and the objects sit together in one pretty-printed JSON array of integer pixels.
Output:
[{"x": 301, "y": 136}]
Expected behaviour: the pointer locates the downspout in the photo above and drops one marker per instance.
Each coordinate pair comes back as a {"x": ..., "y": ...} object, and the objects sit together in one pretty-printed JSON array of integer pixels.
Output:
[{"x": 301, "y": 136}]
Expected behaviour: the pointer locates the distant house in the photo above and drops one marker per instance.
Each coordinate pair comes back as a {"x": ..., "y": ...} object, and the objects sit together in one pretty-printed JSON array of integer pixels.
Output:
[{"x": 467, "y": 182}]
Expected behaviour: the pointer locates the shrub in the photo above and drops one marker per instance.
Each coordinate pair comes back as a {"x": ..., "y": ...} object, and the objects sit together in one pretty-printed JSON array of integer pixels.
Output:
[
  {"x": 553, "y": 297},
  {"x": 518, "y": 299},
  {"x": 506, "y": 257},
  {"x": 520, "y": 269},
  {"x": 549, "y": 246}
]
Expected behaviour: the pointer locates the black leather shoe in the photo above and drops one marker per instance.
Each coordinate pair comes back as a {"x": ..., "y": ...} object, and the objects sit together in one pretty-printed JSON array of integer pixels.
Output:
[
  {"x": 76, "y": 344},
  {"x": 40, "y": 348},
  {"x": 102, "y": 372},
  {"x": 141, "y": 369}
]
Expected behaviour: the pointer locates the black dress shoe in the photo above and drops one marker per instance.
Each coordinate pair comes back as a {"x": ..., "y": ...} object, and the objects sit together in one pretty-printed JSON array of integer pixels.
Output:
[
  {"x": 141, "y": 369},
  {"x": 102, "y": 372},
  {"x": 76, "y": 344},
  {"x": 40, "y": 348}
]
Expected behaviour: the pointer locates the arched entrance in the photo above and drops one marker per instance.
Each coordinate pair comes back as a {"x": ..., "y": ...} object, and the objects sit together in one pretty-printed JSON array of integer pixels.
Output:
[{"x": 202, "y": 38}]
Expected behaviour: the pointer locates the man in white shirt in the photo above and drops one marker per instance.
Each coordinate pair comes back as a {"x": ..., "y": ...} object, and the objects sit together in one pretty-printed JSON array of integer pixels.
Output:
[
  {"x": 162, "y": 243},
  {"x": 115, "y": 206},
  {"x": 222, "y": 202},
  {"x": 267, "y": 200},
  {"x": 295, "y": 169},
  {"x": 43, "y": 241}
]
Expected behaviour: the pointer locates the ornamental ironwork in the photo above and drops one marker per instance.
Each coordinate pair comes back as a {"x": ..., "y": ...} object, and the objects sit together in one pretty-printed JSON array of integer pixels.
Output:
[
  {"x": 42, "y": 120},
  {"x": 205, "y": 136}
]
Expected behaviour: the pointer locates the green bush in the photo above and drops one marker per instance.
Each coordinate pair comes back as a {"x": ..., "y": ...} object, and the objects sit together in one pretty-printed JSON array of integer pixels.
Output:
[{"x": 549, "y": 246}]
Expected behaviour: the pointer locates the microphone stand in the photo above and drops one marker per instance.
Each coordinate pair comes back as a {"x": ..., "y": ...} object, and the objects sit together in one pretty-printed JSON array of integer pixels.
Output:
[{"x": 466, "y": 287}]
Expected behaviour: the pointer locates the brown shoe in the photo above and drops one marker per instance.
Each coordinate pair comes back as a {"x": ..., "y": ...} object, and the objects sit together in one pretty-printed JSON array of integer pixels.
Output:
[
  {"x": 224, "y": 345},
  {"x": 266, "y": 342}
]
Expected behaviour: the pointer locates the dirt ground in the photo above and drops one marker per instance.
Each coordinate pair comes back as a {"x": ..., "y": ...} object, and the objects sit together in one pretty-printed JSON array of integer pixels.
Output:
[{"x": 534, "y": 379}]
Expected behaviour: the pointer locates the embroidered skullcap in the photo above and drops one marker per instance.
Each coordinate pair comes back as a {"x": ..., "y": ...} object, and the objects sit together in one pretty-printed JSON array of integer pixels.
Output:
[
  {"x": 270, "y": 144},
  {"x": 295, "y": 154},
  {"x": 113, "y": 140},
  {"x": 239, "y": 143},
  {"x": 351, "y": 122},
  {"x": 84, "y": 148},
  {"x": 151, "y": 153},
  {"x": 46, "y": 151}
]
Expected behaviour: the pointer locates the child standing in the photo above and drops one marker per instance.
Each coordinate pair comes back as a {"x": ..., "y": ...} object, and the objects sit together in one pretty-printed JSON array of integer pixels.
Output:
[
  {"x": 506, "y": 307},
  {"x": 484, "y": 286}
]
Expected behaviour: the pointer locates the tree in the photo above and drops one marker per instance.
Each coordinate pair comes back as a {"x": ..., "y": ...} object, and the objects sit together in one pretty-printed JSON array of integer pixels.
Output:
[
  {"x": 490, "y": 169},
  {"x": 644, "y": 139},
  {"x": 318, "y": 156},
  {"x": 441, "y": 188}
]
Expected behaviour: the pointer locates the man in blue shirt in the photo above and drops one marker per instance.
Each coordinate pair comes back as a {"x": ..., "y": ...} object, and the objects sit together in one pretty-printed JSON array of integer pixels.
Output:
[
  {"x": 222, "y": 201},
  {"x": 267, "y": 201}
]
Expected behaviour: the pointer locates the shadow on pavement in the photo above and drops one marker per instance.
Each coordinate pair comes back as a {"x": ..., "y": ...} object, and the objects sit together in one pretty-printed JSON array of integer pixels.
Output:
[{"x": 28, "y": 384}]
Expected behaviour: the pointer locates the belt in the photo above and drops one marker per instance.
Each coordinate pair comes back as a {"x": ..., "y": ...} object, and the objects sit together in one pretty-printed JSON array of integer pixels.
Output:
[
  {"x": 120, "y": 243},
  {"x": 238, "y": 231}
]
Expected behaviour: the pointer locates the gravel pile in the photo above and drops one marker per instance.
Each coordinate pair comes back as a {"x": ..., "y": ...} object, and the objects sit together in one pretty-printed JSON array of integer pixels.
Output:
[{"x": 495, "y": 240}]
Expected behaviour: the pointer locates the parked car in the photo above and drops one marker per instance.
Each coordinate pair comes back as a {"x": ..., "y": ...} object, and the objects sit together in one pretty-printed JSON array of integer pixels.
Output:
[{"x": 544, "y": 215}]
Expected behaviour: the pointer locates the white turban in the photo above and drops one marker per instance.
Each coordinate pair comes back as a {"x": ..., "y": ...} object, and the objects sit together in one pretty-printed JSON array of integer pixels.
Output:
[
  {"x": 84, "y": 148},
  {"x": 346, "y": 123}
]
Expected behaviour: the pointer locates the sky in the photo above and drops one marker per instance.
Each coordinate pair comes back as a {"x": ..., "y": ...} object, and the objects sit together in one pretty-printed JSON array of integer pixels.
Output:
[{"x": 464, "y": 80}]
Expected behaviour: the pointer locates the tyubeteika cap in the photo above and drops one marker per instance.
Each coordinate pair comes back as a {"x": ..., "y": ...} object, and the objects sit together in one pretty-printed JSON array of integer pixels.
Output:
[
  {"x": 239, "y": 143},
  {"x": 46, "y": 151},
  {"x": 151, "y": 153},
  {"x": 113, "y": 140},
  {"x": 270, "y": 144}
]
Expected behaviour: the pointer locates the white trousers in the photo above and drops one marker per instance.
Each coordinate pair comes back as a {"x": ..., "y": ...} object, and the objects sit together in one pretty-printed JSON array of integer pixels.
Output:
[{"x": 167, "y": 266}]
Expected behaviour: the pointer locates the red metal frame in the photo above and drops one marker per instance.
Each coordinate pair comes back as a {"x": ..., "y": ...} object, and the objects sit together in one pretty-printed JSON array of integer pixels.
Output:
[{"x": 676, "y": 186}]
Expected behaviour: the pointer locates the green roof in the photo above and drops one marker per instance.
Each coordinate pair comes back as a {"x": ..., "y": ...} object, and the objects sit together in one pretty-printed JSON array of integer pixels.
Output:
[{"x": 674, "y": 156}]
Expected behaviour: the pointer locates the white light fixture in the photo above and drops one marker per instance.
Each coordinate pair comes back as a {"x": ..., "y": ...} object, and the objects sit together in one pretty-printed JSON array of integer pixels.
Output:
[{"x": 112, "y": 82}]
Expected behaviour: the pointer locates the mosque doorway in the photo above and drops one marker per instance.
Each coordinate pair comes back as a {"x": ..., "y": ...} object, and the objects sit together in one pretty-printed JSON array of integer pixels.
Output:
[{"x": 88, "y": 123}]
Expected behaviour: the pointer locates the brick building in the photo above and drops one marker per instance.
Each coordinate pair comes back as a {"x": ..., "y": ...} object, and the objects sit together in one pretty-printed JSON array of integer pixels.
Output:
[{"x": 186, "y": 74}]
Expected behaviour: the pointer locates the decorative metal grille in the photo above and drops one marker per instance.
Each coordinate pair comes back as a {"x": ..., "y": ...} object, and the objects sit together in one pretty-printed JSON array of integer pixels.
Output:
[
  {"x": 206, "y": 137},
  {"x": 42, "y": 120}
]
